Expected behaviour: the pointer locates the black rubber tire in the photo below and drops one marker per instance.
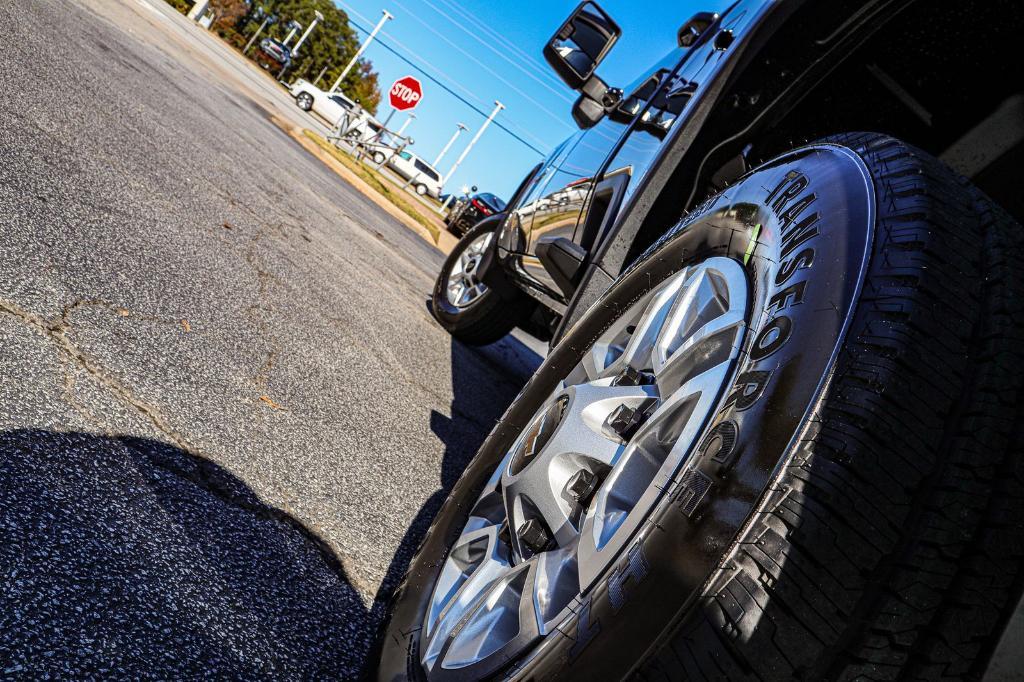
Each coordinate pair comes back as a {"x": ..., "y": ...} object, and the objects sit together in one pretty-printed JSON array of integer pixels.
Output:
[
  {"x": 867, "y": 520},
  {"x": 456, "y": 228},
  {"x": 490, "y": 317},
  {"x": 379, "y": 158},
  {"x": 421, "y": 189},
  {"x": 304, "y": 97}
]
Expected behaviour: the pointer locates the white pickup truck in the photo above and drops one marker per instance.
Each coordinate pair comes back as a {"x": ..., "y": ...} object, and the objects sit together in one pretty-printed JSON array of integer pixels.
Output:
[{"x": 331, "y": 106}]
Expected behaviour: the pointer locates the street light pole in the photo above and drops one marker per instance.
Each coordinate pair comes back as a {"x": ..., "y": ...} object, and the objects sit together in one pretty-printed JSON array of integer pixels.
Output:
[
  {"x": 256, "y": 34},
  {"x": 498, "y": 106},
  {"x": 405, "y": 125},
  {"x": 318, "y": 18},
  {"x": 291, "y": 34},
  {"x": 322, "y": 72},
  {"x": 458, "y": 130},
  {"x": 362, "y": 48}
]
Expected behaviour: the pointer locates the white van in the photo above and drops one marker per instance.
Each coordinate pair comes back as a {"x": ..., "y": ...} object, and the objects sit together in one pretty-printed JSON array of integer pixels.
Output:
[{"x": 424, "y": 178}]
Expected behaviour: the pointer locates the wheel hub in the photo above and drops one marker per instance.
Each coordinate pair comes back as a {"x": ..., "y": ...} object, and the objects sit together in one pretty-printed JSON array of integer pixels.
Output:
[{"x": 578, "y": 481}]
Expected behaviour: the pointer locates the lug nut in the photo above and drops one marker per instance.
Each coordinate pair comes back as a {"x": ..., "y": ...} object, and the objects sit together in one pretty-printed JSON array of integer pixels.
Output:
[
  {"x": 631, "y": 376},
  {"x": 533, "y": 536},
  {"x": 581, "y": 486},
  {"x": 623, "y": 422}
]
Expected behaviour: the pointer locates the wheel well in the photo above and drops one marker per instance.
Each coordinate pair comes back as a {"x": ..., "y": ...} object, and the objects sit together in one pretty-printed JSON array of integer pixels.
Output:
[{"x": 943, "y": 79}]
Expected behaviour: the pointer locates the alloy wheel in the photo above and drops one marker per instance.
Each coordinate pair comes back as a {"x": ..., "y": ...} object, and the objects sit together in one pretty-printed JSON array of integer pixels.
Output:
[
  {"x": 464, "y": 288},
  {"x": 578, "y": 481}
]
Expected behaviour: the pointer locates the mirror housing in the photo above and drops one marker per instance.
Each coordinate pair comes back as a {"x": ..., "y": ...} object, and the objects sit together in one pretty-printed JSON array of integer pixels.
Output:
[
  {"x": 581, "y": 43},
  {"x": 594, "y": 103}
]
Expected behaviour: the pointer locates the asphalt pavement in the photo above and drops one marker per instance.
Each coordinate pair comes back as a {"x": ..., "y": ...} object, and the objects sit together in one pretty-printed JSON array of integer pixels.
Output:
[{"x": 226, "y": 415}]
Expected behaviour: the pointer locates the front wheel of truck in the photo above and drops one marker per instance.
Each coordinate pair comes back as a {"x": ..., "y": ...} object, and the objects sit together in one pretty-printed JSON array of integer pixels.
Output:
[
  {"x": 463, "y": 304},
  {"x": 785, "y": 444}
]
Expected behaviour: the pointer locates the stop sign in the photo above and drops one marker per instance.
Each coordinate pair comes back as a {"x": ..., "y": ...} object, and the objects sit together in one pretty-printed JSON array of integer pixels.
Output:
[{"x": 405, "y": 93}]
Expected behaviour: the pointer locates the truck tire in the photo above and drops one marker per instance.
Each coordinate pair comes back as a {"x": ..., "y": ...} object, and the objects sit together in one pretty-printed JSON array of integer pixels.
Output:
[
  {"x": 476, "y": 318},
  {"x": 815, "y": 382},
  {"x": 304, "y": 101}
]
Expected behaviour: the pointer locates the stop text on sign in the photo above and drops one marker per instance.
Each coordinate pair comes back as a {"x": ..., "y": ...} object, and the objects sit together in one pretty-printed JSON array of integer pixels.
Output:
[{"x": 405, "y": 93}]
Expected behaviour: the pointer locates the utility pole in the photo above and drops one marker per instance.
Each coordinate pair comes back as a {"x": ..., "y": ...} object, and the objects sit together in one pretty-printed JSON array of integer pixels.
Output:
[
  {"x": 405, "y": 125},
  {"x": 498, "y": 106},
  {"x": 362, "y": 48},
  {"x": 458, "y": 130},
  {"x": 257, "y": 33},
  {"x": 319, "y": 17}
]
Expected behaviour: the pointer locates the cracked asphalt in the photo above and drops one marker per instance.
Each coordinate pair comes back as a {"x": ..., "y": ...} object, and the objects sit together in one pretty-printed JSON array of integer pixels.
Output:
[{"x": 226, "y": 415}]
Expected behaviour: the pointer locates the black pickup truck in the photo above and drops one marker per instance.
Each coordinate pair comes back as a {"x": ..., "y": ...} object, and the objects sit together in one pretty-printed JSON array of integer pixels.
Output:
[{"x": 778, "y": 432}]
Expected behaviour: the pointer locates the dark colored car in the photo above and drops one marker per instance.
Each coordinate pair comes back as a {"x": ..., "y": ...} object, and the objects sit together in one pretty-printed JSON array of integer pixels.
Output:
[
  {"x": 471, "y": 210},
  {"x": 273, "y": 54},
  {"x": 778, "y": 432}
]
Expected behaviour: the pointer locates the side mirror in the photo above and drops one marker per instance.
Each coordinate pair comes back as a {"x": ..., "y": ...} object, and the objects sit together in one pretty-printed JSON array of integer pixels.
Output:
[{"x": 581, "y": 44}]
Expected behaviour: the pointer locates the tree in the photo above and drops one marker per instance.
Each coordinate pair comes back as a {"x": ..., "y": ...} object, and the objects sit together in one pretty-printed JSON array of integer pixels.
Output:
[
  {"x": 332, "y": 44},
  {"x": 229, "y": 14}
]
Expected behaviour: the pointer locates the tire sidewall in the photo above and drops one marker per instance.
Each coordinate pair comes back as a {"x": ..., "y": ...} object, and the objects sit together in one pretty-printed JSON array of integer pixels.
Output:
[{"x": 803, "y": 290}]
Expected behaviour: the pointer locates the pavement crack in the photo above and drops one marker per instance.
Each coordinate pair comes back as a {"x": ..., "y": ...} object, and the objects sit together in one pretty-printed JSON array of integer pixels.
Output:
[
  {"x": 206, "y": 474},
  {"x": 56, "y": 331}
]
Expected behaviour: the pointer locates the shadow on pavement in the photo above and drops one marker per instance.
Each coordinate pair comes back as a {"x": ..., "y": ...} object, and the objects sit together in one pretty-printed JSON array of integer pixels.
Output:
[
  {"x": 129, "y": 557},
  {"x": 485, "y": 381}
]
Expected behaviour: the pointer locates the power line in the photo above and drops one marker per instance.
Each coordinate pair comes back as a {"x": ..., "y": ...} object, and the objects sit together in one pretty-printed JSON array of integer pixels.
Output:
[
  {"x": 350, "y": 10},
  {"x": 505, "y": 42},
  {"x": 454, "y": 94},
  {"x": 454, "y": 82},
  {"x": 486, "y": 68},
  {"x": 529, "y": 72}
]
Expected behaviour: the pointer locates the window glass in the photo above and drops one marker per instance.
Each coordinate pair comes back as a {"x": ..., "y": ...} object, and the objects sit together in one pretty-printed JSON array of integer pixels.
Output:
[{"x": 427, "y": 170}]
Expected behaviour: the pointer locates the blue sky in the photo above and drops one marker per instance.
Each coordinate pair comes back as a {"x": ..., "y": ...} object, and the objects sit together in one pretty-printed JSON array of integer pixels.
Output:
[{"x": 442, "y": 36}]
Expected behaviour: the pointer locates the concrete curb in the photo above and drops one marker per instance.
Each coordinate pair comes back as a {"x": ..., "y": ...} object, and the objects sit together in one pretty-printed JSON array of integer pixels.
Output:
[{"x": 446, "y": 241}]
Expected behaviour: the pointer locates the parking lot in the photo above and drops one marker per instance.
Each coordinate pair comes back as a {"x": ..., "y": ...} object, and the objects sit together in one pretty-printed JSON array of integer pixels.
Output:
[{"x": 226, "y": 414}]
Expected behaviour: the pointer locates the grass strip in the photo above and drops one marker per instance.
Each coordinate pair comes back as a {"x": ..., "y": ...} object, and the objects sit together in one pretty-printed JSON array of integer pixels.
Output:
[{"x": 374, "y": 180}]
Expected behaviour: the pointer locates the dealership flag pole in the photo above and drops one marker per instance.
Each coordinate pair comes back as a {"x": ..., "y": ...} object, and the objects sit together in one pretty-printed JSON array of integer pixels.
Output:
[
  {"x": 498, "y": 106},
  {"x": 362, "y": 48}
]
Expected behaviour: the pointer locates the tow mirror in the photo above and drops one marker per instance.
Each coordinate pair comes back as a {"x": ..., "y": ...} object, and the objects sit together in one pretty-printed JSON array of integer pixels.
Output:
[{"x": 581, "y": 44}]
